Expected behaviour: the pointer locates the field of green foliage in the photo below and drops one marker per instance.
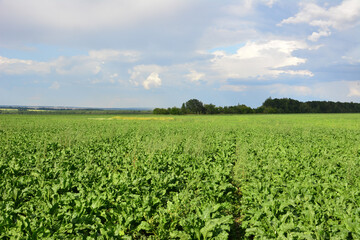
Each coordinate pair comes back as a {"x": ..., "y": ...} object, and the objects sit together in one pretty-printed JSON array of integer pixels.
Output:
[{"x": 182, "y": 177}]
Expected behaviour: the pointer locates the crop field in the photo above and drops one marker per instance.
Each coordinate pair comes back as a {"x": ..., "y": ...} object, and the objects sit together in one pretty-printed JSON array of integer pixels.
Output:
[{"x": 180, "y": 177}]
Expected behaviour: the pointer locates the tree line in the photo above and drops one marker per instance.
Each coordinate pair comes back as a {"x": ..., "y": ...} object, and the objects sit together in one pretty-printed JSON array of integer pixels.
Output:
[{"x": 276, "y": 105}]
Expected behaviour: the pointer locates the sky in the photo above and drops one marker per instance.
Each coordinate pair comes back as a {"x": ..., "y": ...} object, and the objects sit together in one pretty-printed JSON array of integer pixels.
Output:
[{"x": 161, "y": 53}]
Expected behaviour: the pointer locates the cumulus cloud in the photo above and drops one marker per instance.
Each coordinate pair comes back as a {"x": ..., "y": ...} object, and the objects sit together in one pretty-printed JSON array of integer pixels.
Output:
[
  {"x": 114, "y": 55},
  {"x": 242, "y": 8},
  {"x": 260, "y": 60},
  {"x": 286, "y": 90},
  {"x": 195, "y": 76},
  {"x": 269, "y": 3},
  {"x": 354, "y": 89},
  {"x": 337, "y": 90},
  {"x": 107, "y": 78},
  {"x": 316, "y": 35},
  {"x": 352, "y": 56},
  {"x": 76, "y": 65},
  {"x": 344, "y": 91},
  {"x": 354, "y": 92},
  {"x": 13, "y": 66},
  {"x": 334, "y": 91},
  {"x": 233, "y": 88},
  {"x": 140, "y": 73},
  {"x": 153, "y": 80},
  {"x": 246, "y": 7},
  {"x": 351, "y": 60},
  {"x": 55, "y": 85},
  {"x": 228, "y": 32},
  {"x": 299, "y": 72},
  {"x": 343, "y": 16}
]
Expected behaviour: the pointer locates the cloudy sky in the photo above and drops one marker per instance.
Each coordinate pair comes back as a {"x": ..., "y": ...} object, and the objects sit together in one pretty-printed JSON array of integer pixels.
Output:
[{"x": 161, "y": 53}]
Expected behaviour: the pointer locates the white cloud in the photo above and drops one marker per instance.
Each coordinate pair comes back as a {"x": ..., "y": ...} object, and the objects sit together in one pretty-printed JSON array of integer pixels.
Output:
[
  {"x": 153, "y": 80},
  {"x": 246, "y": 7},
  {"x": 195, "y": 76},
  {"x": 233, "y": 88},
  {"x": 113, "y": 78},
  {"x": 337, "y": 90},
  {"x": 269, "y": 3},
  {"x": 288, "y": 90},
  {"x": 352, "y": 56},
  {"x": 114, "y": 55},
  {"x": 243, "y": 7},
  {"x": 84, "y": 15},
  {"x": 344, "y": 91},
  {"x": 316, "y": 35},
  {"x": 298, "y": 72},
  {"x": 260, "y": 60},
  {"x": 227, "y": 32},
  {"x": 235, "y": 25},
  {"x": 13, "y": 66},
  {"x": 76, "y": 65},
  {"x": 93, "y": 62},
  {"x": 139, "y": 73},
  {"x": 351, "y": 59},
  {"x": 343, "y": 16},
  {"x": 55, "y": 85},
  {"x": 354, "y": 89},
  {"x": 106, "y": 78},
  {"x": 354, "y": 92}
]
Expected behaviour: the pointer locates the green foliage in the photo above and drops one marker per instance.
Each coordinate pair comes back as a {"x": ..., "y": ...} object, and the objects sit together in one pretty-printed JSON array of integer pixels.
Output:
[
  {"x": 288, "y": 105},
  {"x": 161, "y": 111},
  {"x": 195, "y": 177},
  {"x": 270, "y": 106},
  {"x": 194, "y": 106},
  {"x": 74, "y": 177},
  {"x": 175, "y": 111},
  {"x": 300, "y": 178}
]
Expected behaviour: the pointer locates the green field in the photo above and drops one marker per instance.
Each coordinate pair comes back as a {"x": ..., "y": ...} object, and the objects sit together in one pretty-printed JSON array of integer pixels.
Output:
[{"x": 182, "y": 177}]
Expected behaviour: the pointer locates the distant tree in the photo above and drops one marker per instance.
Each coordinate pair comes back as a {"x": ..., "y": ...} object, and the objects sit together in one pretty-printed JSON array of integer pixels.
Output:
[
  {"x": 270, "y": 110},
  {"x": 160, "y": 111},
  {"x": 268, "y": 102},
  {"x": 22, "y": 110},
  {"x": 243, "y": 109},
  {"x": 220, "y": 110},
  {"x": 227, "y": 110},
  {"x": 270, "y": 105},
  {"x": 194, "y": 106},
  {"x": 183, "y": 109},
  {"x": 259, "y": 109},
  {"x": 288, "y": 105},
  {"x": 174, "y": 111},
  {"x": 304, "y": 108},
  {"x": 210, "y": 109}
]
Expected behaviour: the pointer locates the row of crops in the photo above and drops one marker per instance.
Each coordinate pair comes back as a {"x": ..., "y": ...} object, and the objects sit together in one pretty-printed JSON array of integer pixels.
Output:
[{"x": 188, "y": 177}]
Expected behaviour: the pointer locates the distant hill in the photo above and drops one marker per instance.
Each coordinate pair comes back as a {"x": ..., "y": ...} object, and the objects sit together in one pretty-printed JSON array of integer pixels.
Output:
[
  {"x": 67, "y": 108},
  {"x": 11, "y": 109}
]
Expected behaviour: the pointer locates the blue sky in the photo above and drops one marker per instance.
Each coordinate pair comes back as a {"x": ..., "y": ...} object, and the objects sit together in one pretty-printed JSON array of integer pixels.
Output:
[{"x": 161, "y": 53}]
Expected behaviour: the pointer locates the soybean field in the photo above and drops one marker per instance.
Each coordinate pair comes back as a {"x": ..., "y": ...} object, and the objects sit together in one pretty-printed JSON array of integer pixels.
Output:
[{"x": 180, "y": 177}]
